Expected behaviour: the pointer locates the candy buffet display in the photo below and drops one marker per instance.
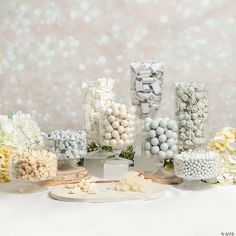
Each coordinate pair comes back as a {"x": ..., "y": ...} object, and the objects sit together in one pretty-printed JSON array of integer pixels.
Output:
[
  {"x": 97, "y": 94},
  {"x": 225, "y": 143},
  {"x": 135, "y": 182},
  {"x": 35, "y": 165},
  {"x": 160, "y": 137},
  {"x": 67, "y": 144},
  {"x": 118, "y": 125},
  {"x": 197, "y": 165},
  {"x": 19, "y": 131},
  {"x": 4, "y": 162},
  {"x": 192, "y": 113},
  {"x": 146, "y": 86}
]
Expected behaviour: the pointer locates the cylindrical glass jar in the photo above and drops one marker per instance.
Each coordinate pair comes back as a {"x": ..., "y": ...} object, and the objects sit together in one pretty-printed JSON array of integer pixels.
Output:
[
  {"x": 97, "y": 94},
  {"x": 68, "y": 145},
  {"x": 192, "y": 114},
  {"x": 160, "y": 138},
  {"x": 146, "y": 86},
  {"x": 117, "y": 126}
]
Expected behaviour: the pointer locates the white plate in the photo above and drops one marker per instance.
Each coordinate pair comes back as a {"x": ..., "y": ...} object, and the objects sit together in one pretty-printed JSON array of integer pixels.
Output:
[{"x": 106, "y": 193}]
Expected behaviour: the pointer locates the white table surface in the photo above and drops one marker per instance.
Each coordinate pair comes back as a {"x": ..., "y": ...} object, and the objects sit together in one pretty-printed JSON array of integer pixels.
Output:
[{"x": 207, "y": 212}]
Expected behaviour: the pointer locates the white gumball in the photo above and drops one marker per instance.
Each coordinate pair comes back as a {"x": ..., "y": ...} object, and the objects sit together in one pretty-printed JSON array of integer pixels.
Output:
[
  {"x": 162, "y": 154},
  {"x": 115, "y": 134},
  {"x": 115, "y": 124},
  {"x": 154, "y": 141},
  {"x": 162, "y": 138},
  {"x": 174, "y": 148},
  {"x": 160, "y": 130},
  {"x": 164, "y": 146},
  {"x": 121, "y": 129},
  {"x": 155, "y": 150},
  {"x": 169, "y": 134},
  {"x": 154, "y": 124},
  {"x": 109, "y": 129},
  {"x": 152, "y": 133},
  {"x": 111, "y": 118},
  {"x": 148, "y": 146},
  {"x": 124, "y": 123},
  {"x": 171, "y": 142},
  {"x": 163, "y": 123},
  {"x": 115, "y": 112},
  {"x": 169, "y": 153},
  {"x": 113, "y": 142},
  {"x": 108, "y": 135},
  {"x": 122, "y": 115},
  {"x": 124, "y": 136}
]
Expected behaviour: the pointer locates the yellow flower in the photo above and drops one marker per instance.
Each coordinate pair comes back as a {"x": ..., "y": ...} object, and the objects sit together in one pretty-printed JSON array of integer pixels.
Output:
[{"x": 4, "y": 161}]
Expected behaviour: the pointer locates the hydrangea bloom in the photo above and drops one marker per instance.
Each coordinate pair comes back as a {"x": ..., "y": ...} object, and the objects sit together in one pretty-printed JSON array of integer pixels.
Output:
[
  {"x": 225, "y": 143},
  {"x": 19, "y": 131}
]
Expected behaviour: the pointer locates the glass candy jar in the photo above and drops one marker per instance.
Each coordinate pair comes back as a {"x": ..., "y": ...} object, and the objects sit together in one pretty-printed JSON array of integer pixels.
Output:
[
  {"x": 192, "y": 114},
  {"x": 68, "y": 145},
  {"x": 196, "y": 165},
  {"x": 29, "y": 168},
  {"x": 97, "y": 94},
  {"x": 117, "y": 126},
  {"x": 159, "y": 142},
  {"x": 146, "y": 87}
]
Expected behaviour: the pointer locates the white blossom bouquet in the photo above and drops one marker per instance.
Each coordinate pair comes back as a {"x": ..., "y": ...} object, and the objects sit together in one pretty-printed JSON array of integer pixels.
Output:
[
  {"x": 225, "y": 143},
  {"x": 19, "y": 131}
]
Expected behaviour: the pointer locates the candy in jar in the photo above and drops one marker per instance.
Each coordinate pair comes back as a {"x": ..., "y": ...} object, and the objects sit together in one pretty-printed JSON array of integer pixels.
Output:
[
  {"x": 160, "y": 137},
  {"x": 96, "y": 94},
  {"x": 146, "y": 86},
  {"x": 192, "y": 113},
  {"x": 118, "y": 126}
]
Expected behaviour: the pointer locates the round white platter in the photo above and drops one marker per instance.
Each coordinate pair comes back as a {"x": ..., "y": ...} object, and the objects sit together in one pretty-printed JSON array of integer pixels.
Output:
[{"x": 106, "y": 193}]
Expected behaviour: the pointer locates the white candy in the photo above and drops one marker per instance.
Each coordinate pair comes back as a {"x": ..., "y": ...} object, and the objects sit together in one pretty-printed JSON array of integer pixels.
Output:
[
  {"x": 154, "y": 141},
  {"x": 124, "y": 123},
  {"x": 197, "y": 164},
  {"x": 115, "y": 134},
  {"x": 132, "y": 181},
  {"x": 121, "y": 129},
  {"x": 109, "y": 128},
  {"x": 124, "y": 136},
  {"x": 111, "y": 118},
  {"x": 121, "y": 125},
  {"x": 160, "y": 140},
  {"x": 115, "y": 124}
]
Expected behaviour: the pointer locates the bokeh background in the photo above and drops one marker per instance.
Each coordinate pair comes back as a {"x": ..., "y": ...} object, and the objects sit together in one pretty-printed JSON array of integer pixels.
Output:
[{"x": 48, "y": 48}]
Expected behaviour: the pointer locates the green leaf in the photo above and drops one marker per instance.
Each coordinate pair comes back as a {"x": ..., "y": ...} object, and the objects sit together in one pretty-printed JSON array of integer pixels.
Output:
[{"x": 10, "y": 114}]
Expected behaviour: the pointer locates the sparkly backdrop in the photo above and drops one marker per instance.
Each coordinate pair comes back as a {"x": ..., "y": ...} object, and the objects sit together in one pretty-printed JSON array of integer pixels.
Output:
[{"x": 48, "y": 48}]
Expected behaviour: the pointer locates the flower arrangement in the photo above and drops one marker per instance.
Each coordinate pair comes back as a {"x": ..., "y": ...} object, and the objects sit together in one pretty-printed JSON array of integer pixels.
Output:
[
  {"x": 225, "y": 143},
  {"x": 19, "y": 131}
]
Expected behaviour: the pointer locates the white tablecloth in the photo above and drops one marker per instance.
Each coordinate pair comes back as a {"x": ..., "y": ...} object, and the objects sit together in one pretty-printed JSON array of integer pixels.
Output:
[{"x": 207, "y": 212}]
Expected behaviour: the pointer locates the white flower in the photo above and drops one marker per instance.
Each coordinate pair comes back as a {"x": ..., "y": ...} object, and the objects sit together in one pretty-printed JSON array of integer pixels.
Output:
[{"x": 20, "y": 131}]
